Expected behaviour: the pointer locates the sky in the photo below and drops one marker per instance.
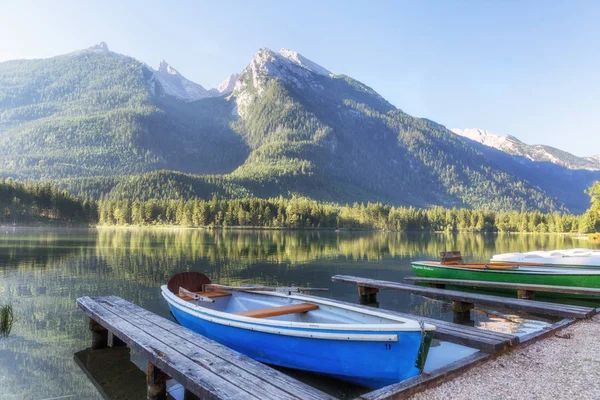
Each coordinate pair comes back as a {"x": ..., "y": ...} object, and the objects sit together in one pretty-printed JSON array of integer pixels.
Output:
[{"x": 524, "y": 68}]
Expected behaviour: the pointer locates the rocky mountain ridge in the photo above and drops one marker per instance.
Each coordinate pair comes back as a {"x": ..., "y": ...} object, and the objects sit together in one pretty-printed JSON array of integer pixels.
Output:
[
  {"x": 536, "y": 153},
  {"x": 284, "y": 126}
]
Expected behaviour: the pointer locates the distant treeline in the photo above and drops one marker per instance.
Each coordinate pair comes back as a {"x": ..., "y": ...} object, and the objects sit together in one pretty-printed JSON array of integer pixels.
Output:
[
  {"x": 305, "y": 213},
  {"x": 24, "y": 203}
]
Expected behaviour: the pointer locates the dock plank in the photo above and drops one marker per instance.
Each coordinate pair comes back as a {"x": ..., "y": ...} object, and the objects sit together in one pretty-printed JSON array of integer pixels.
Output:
[
  {"x": 208, "y": 374},
  {"x": 534, "y": 306},
  {"x": 418, "y": 383},
  {"x": 481, "y": 339},
  {"x": 504, "y": 285},
  {"x": 213, "y": 349}
]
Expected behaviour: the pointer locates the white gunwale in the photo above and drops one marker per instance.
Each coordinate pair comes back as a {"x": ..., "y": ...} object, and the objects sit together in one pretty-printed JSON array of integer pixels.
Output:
[
  {"x": 522, "y": 270},
  {"x": 274, "y": 326}
]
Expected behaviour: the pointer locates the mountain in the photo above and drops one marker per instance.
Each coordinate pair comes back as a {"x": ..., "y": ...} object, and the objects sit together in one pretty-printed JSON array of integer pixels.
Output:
[
  {"x": 561, "y": 174},
  {"x": 172, "y": 83},
  {"x": 595, "y": 158},
  {"x": 97, "y": 113},
  {"x": 537, "y": 153},
  {"x": 226, "y": 86},
  {"x": 102, "y": 123},
  {"x": 176, "y": 85}
]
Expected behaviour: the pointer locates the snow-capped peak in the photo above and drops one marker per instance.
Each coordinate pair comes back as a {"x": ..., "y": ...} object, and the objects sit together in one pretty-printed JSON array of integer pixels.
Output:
[
  {"x": 299, "y": 59},
  {"x": 505, "y": 143},
  {"x": 228, "y": 84},
  {"x": 102, "y": 46},
  {"x": 287, "y": 65},
  {"x": 98, "y": 48},
  {"x": 536, "y": 153},
  {"x": 176, "y": 85},
  {"x": 164, "y": 66}
]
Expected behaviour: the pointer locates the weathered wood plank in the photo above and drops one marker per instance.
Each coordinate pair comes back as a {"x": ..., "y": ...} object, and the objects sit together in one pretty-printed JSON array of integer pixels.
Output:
[
  {"x": 200, "y": 381},
  {"x": 260, "y": 371},
  {"x": 504, "y": 285},
  {"x": 219, "y": 361},
  {"x": 480, "y": 339},
  {"x": 281, "y": 310},
  {"x": 540, "y": 307},
  {"x": 421, "y": 382},
  {"x": 550, "y": 330}
]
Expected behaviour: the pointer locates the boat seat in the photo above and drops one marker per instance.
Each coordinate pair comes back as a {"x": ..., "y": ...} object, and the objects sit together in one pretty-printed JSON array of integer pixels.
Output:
[
  {"x": 210, "y": 295},
  {"x": 281, "y": 310},
  {"x": 451, "y": 257}
]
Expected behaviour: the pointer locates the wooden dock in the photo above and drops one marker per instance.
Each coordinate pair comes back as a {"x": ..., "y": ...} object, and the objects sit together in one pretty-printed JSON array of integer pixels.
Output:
[
  {"x": 463, "y": 301},
  {"x": 205, "y": 368},
  {"x": 209, "y": 370}
]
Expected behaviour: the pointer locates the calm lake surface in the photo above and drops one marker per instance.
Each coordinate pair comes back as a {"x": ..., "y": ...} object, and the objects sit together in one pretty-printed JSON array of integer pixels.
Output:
[{"x": 43, "y": 272}]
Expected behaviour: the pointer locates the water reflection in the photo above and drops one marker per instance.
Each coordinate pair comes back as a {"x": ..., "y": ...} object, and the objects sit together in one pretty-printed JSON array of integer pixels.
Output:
[{"x": 43, "y": 272}]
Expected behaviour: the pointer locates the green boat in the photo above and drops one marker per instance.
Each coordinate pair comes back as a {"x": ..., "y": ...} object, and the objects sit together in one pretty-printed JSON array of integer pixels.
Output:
[{"x": 533, "y": 275}]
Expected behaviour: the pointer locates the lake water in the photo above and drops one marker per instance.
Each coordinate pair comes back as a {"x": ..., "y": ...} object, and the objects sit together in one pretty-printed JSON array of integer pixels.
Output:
[{"x": 43, "y": 272}]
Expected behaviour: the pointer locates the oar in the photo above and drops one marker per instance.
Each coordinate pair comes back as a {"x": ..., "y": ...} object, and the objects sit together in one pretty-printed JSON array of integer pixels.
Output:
[
  {"x": 217, "y": 287},
  {"x": 485, "y": 266},
  {"x": 195, "y": 296}
]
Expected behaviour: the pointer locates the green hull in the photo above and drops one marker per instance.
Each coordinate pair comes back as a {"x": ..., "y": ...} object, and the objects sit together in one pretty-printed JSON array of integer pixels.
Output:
[{"x": 526, "y": 275}]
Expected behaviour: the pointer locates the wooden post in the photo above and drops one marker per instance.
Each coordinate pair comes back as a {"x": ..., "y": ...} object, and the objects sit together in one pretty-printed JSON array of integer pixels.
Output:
[
  {"x": 367, "y": 294},
  {"x": 114, "y": 341},
  {"x": 437, "y": 285},
  {"x": 187, "y": 395},
  {"x": 461, "y": 306},
  {"x": 461, "y": 313},
  {"x": 99, "y": 335},
  {"x": 462, "y": 318},
  {"x": 525, "y": 294},
  {"x": 157, "y": 383}
]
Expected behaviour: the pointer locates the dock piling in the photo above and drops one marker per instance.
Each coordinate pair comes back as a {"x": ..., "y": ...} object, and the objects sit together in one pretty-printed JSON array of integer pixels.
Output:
[
  {"x": 525, "y": 294},
  {"x": 99, "y": 335},
  {"x": 157, "y": 383},
  {"x": 367, "y": 294},
  {"x": 114, "y": 341},
  {"x": 462, "y": 306}
]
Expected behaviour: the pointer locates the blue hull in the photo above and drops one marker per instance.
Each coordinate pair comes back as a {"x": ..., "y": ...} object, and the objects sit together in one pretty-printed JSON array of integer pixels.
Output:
[{"x": 370, "y": 363}]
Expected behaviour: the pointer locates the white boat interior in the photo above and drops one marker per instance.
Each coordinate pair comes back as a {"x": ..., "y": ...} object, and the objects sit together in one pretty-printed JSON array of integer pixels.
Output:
[
  {"x": 265, "y": 307},
  {"x": 575, "y": 257}
]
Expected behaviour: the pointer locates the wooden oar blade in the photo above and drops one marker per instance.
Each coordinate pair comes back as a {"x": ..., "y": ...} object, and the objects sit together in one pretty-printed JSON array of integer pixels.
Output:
[{"x": 217, "y": 287}]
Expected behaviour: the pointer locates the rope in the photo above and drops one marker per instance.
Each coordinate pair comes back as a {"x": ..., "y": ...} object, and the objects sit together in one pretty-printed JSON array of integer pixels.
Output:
[{"x": 421, "y": 365}]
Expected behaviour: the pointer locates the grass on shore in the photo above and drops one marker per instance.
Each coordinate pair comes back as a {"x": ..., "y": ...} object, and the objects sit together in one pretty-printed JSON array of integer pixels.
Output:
[{"x": 7, "y": 319}]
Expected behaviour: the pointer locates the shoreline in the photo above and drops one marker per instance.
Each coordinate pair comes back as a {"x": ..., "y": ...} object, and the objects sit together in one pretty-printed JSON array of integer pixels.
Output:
[
  {"x": 593, "y": 238},
  {"x": 339, "y": 230},
  {"x": 563, "y": 366}
]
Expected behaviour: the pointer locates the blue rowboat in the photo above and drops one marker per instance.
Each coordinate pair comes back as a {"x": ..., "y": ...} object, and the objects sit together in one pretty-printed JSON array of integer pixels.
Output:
[{"x": 366, "y": 347}]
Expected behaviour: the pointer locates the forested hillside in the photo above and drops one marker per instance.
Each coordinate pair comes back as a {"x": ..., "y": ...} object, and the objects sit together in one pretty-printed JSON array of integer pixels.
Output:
[
  {"x": 30, "y": 203},
  {"x": 97, "y": 113},
  {"x": 100, "y": 125}
]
